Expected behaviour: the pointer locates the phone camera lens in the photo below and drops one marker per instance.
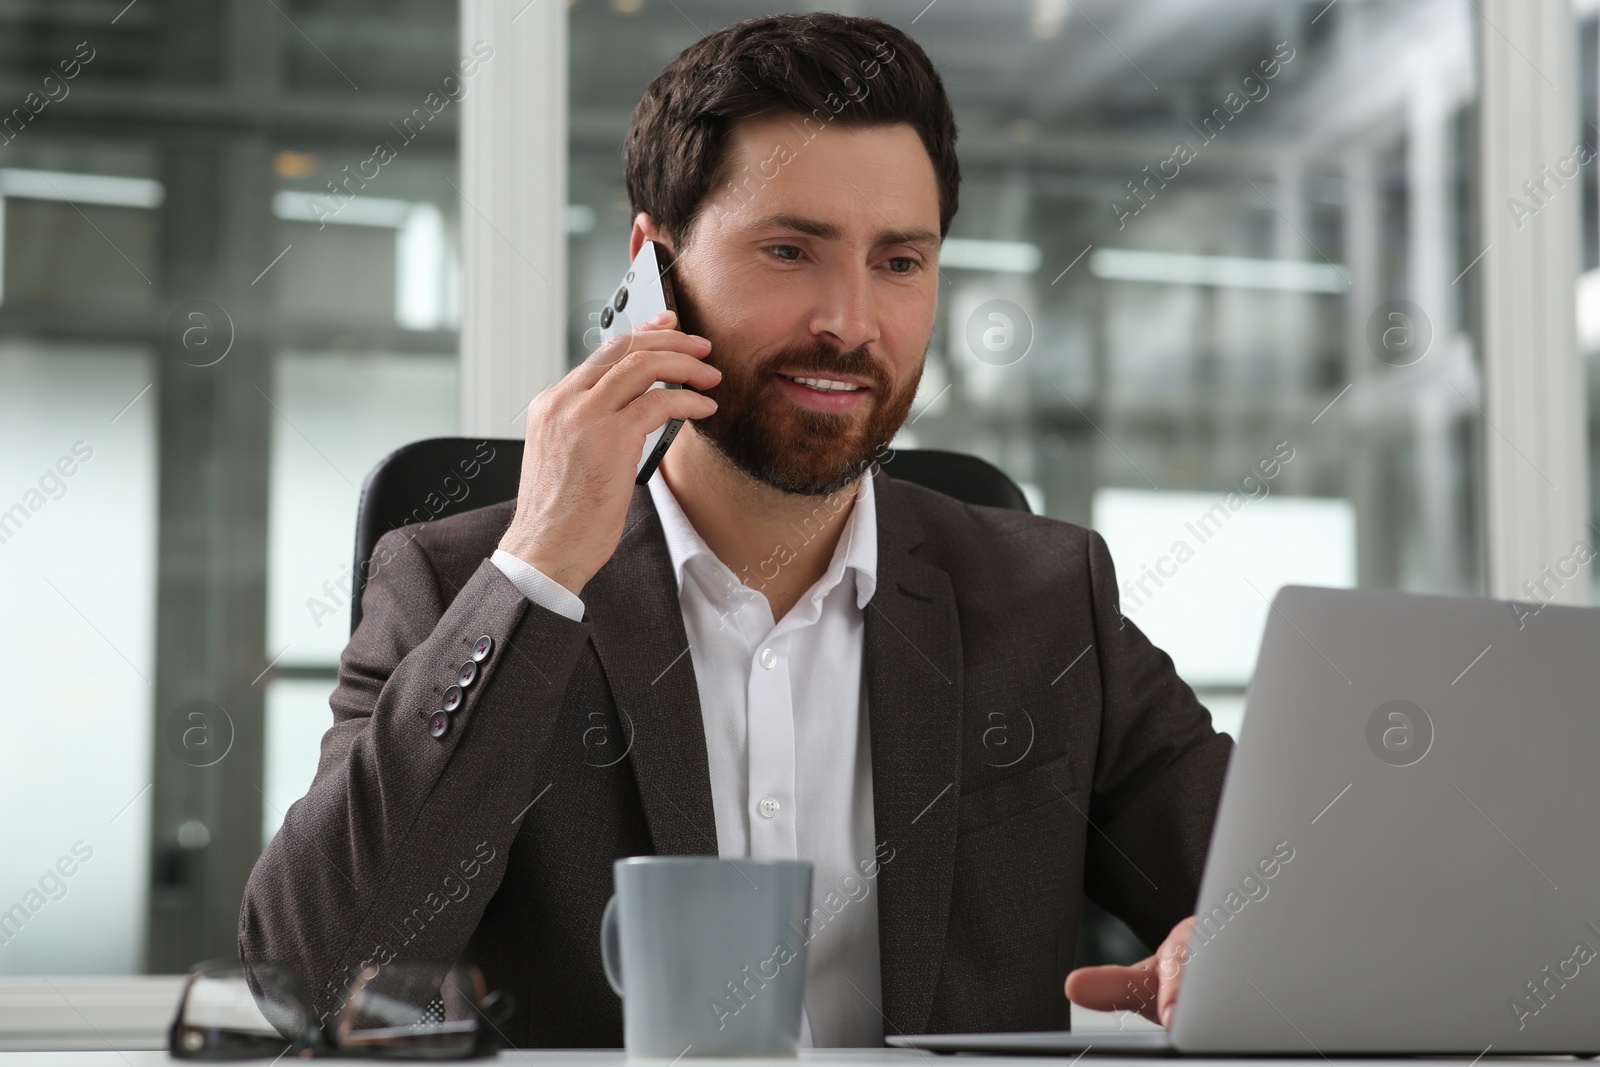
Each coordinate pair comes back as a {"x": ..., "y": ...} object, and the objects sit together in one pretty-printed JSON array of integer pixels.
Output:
[
  {"x": 621, "y": 300},
  {"x": 606, "y": 315},
  {"x": 629, "y": 278}
]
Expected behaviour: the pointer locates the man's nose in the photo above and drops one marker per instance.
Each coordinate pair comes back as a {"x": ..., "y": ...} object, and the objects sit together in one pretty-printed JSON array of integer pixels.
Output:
[{"x": 848, "y": 311}]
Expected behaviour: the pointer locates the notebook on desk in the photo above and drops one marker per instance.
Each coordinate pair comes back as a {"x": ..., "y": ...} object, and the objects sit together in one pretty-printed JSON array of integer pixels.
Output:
[{"x": 1406, "y": 857}]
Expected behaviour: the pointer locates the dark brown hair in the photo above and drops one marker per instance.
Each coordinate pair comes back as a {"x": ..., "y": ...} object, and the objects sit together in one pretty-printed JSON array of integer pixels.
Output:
[{"x": 830, "y": 68}]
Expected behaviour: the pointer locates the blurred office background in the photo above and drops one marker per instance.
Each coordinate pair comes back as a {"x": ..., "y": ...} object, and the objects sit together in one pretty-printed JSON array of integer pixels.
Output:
[{"x": 223, "y": 347}]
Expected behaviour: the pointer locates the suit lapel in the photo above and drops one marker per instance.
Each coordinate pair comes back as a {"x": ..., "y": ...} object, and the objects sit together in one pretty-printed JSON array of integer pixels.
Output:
[
  {"x": 638, "y": 634},
  {"x": 913, "y": 663}
]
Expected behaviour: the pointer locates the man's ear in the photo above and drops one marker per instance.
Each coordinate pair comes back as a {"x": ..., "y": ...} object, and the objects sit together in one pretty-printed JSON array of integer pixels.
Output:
[{"x": 645, "y": 229}]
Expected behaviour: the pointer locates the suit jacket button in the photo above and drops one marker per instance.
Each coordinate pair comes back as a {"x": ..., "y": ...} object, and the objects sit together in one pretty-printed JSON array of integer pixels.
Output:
[
  {"x": 482, "y": 647},
  {"x": 452, "y": 698},
  {"x": 468, "y": 673},
  {"x": 439, "y": 725}
]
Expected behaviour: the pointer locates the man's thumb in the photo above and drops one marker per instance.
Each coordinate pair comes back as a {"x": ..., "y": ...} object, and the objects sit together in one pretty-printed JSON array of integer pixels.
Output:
[{"x": 1113, "y": 988}]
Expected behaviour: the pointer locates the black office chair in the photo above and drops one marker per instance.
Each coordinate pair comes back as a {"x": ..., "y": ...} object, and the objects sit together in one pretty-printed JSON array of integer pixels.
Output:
[{"x": 441, "y": 476}]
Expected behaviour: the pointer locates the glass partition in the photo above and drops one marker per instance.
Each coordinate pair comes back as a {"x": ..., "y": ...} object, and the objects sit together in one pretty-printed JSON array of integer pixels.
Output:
[
  {"x": 217, "y": 310},
  {"x": 1583, "y": 164},
  {"x": 1182, "y": 301}
]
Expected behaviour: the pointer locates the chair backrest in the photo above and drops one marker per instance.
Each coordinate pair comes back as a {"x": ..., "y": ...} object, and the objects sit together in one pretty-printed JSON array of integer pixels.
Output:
[{"x": 441, "y": 476}]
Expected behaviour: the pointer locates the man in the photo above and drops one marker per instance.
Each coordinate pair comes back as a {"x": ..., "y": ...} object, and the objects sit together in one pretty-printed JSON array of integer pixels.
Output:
[{"x": 773, "y": 648}]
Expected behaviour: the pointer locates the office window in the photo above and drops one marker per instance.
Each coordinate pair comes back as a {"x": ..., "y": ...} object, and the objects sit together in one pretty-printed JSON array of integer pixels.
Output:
[
  {"x": 1182, "y": 300},
  {"x": 220, "y": 303},
  {"x": 211, "y": 278},
  {"x": 362, "y": 406}
]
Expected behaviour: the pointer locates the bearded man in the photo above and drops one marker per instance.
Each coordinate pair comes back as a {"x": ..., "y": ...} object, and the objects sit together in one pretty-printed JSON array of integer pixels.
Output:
[{"x": 794, "y": 654}]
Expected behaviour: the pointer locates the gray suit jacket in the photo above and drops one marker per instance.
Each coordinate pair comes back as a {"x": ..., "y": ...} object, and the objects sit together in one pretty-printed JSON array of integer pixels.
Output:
[{"x": 1029, "y": 744}]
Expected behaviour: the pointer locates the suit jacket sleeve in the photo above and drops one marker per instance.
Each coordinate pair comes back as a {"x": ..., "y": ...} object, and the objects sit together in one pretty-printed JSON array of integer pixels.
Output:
[
  {"x": 1158, "y": 775},
  {"x": 402, "y": 839}
]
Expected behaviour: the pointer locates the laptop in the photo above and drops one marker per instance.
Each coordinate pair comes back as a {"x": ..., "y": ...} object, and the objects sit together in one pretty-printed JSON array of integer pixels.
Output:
[{"x": 1406, "y": 858}]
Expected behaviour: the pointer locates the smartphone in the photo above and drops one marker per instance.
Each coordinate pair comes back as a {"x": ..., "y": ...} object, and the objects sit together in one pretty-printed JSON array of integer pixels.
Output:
[{"x": 644, "y": 293}]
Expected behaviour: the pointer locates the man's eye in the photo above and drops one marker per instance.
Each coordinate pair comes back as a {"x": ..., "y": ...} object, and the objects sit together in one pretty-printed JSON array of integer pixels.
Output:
[
  {"x": 902, "y": 265},
  {"x": 787, "y": 253}
]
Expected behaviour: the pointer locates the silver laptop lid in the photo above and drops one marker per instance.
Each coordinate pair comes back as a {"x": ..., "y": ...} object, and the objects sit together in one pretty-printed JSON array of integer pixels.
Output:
[{"x": 1407, "y": 853}]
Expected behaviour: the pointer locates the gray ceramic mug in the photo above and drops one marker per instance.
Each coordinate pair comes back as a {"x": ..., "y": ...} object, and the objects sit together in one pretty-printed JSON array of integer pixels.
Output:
[{"x": 708, "y": 954}]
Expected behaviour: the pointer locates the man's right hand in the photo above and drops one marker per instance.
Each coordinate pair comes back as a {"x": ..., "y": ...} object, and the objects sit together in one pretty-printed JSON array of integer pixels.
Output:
[{"x": 584, "y": 438}]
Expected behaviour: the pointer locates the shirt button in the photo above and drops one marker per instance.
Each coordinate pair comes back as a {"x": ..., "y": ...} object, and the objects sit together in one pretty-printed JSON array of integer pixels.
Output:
[
  {"x": 768, "y": 807},
  {"x": 482, "y": 647},
  {"x": 468, "y": 673},
  {"x": 769, "y": 658}
]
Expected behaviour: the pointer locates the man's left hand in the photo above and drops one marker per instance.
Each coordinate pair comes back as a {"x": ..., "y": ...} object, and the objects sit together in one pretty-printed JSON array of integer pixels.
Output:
[{"x": 1149, "y": 987}]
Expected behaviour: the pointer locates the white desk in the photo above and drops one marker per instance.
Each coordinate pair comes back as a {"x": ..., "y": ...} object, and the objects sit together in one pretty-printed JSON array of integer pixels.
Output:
[
  {"x": 815, "y": 1058},
  {"x": 126, "y": 1018},
  {"x": 132, "y": 1012}
]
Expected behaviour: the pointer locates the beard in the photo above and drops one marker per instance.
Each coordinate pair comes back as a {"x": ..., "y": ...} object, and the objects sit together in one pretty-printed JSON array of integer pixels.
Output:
[{"x": 769, "y": 437}]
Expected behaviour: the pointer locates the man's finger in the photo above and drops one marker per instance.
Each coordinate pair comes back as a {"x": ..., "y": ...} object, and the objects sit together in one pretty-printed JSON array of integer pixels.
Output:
[
  {"x": 1172, "y": 956},
  {"x": 1114, "y": 988},
  {"x": 643, "y": 339},
  {"x": 1167, "y": 994}
]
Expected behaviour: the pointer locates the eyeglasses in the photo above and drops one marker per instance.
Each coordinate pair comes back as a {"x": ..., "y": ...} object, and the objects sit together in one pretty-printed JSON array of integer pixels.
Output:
[{"x": 233, "y": 1010}]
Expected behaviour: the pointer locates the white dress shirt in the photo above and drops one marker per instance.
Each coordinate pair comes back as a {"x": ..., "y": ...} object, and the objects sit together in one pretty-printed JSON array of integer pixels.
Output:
[{"x": 785, "y": 714}]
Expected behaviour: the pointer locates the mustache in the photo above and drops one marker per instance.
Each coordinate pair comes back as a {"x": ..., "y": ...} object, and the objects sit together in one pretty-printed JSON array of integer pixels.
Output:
[{"x": 822, "y": 360}]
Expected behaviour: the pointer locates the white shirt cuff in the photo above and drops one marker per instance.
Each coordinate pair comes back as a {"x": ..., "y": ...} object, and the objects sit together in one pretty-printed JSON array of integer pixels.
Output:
[{"x": 537, "y": 586}]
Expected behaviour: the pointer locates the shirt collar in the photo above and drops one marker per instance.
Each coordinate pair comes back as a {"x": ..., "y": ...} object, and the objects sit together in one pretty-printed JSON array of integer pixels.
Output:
[{"x": 856, "y": 551}]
